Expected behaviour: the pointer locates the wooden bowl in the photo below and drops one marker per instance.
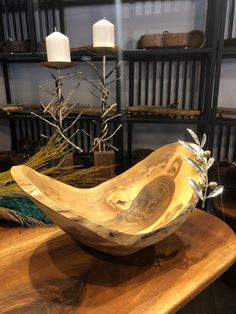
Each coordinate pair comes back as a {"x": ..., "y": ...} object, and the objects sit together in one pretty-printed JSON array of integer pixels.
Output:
[
  {"x": 150, "y": 41},
  {"x": 176, "y": 40},
  {"x": 197, "y": 39},
  {"x": 193, "y": 39},
  {"x": 136, "y": 209}
]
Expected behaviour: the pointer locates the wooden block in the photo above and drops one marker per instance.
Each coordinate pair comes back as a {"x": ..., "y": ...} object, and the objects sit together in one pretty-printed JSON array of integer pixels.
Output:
[{"x": 105, "y": 159}]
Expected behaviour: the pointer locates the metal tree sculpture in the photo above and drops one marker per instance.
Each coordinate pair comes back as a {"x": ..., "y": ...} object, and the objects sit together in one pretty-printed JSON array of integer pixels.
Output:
[
  {"x": 102, "y": 141},
  {"x": 58, "y": 108}
]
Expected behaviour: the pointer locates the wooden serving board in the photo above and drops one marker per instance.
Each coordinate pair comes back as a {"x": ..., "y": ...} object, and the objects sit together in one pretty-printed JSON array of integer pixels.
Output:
[{"x": 45, "y": 271}]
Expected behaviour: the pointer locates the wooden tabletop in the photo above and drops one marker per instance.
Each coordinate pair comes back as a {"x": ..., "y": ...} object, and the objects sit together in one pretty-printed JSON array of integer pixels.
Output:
[
  {"x": 45, "y": 271},
  {"x": 226, "y": 203}
]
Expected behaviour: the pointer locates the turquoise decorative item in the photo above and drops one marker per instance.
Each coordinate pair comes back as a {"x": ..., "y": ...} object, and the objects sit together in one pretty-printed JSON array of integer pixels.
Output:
[{"x": 24, "y": 210}]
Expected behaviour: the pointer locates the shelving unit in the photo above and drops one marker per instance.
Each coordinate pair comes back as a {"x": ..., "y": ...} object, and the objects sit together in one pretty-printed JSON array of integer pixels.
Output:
[
  {"x": 148, "y": 70},
  {"x": 223, "y": 126}
]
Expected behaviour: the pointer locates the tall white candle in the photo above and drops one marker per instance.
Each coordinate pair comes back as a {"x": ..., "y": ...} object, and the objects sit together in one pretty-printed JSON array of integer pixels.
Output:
[
  {"x": 58, "y": 47},
  {"x": 103, "y": 34}
]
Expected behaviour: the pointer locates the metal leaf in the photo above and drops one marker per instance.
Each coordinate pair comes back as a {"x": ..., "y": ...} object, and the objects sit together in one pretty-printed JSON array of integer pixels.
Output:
[
  {"x": 194, "y": 136},
  {"x": 210, "y": 163},
  {"x": 218, "y": 190},
  {"x": 196, "y": 188},
  {"x": 195, "y": 165},
  {"x": 192, "y": 147},
  {"x": 203, "y": 142}
]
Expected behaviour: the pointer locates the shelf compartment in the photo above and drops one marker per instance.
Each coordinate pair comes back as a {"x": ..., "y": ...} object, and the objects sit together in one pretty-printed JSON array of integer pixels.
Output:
[
  {"x": 224, "y": 140},
  {"x": 229, "y": 52}
]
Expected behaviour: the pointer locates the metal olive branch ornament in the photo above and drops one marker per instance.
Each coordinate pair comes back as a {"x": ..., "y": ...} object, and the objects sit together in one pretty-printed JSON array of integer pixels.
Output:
[{"x": 202, "y": 164}]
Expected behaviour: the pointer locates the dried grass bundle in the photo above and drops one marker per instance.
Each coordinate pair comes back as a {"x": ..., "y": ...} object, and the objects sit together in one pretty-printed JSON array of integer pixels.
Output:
[{"x": 49, "y": 161}]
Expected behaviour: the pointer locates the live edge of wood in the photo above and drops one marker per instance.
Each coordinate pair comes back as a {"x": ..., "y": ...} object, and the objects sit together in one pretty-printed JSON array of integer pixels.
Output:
[{"x": 43, "y": 270}]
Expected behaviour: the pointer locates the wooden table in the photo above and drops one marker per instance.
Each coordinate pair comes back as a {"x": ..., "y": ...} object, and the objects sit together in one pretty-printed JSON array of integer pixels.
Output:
[
  {"x": 225, "y": 207},
  {"x": 226, "y": 204},
  {"x": 44, "y": 271}
]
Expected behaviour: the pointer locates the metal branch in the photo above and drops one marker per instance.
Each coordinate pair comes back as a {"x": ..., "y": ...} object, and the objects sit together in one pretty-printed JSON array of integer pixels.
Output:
[
  {"x": 46, "y": 90},
  {"x": 116, "y": 130},
  {"x": 73, "y": 123},
  {"x": 46, "y": 107},
  {"x": 74, "y": 134},
  {"x": 46, "y": 120},
  {"x": 113, "y": 117},
  {"x": 72, "y": 92},
  {"x": 59, "y": 132},
  {"x": 108, "y": 110},
  {"x": 95, "y": 68},
  {"x": 113, "y": 81},
  {"x": 62, "y": 77},
  {"x": 88, "y": 80},
  {"x": 95, "y": 96},
  {"x": 113, "y": 69},
  {"x": 86, "y": 133}
]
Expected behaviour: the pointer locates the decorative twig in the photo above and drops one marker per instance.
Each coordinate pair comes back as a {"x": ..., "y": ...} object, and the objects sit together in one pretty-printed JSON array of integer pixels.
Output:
[
  {"x": 202, "y": 164},
  {"x": 59, "y": 109},
  {"x": 101, "y": 142},
  {"x": 59, "y": 131},
  {"x": 113, "y": 69},
  {"x": 95, "y": 68}
]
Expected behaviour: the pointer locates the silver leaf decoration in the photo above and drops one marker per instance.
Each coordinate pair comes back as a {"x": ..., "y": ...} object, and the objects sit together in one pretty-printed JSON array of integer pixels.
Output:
[
  {"x": 194, "y": 136},
  {"x": 192, "y": 147},
  {"x": 203, "y": 142},
  {"x": 210, "y": 163},
  {"x": 196, "y": 188},
  {"x": 218, "y": 190},
  {"x": 195, "y": 165},
  {"x": 202, "y": 163}
]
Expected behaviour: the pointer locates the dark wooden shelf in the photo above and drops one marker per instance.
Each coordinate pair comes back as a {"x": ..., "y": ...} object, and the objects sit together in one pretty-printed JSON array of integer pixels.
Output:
[
  {"x": 164, "y": 119},
  {"x": 229, "y": 52},
  {"x": 225, "y": 121},
  {"x": 163, "y": 53},
  {"x": 140, "y": 54},
  {"x": 42, "y": 57}
]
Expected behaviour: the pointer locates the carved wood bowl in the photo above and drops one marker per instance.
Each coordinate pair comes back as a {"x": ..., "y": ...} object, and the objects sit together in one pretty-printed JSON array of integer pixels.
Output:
[{"x": 136, "y": 209}]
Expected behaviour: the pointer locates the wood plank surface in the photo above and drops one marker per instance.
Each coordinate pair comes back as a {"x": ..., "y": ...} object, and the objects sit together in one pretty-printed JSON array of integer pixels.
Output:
[
  {"x": 163, "y": 110},
  {"x": 226, "y": 110},
  {"x": 45, "y": 271},
  {"x": 86, "y": 109}
]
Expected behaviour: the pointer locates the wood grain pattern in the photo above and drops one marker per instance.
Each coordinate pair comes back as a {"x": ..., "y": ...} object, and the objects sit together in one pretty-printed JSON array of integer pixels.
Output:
[
  {"x": 105, "y": 159},
  {"x": 135, "y": 209},
  {"x": 164, "y": 110},
  {"x": 226, "y": 110},
  {"x": 86, "y": 109},
  {"x": 9, "y": 109},
  {"x": 45, "y": 271}
]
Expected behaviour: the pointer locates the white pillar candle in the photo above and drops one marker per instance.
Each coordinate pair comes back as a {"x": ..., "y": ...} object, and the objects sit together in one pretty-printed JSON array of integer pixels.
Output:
[
  {"x": 103, "y": 34},
  {"x": 58, "y": 47}
]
